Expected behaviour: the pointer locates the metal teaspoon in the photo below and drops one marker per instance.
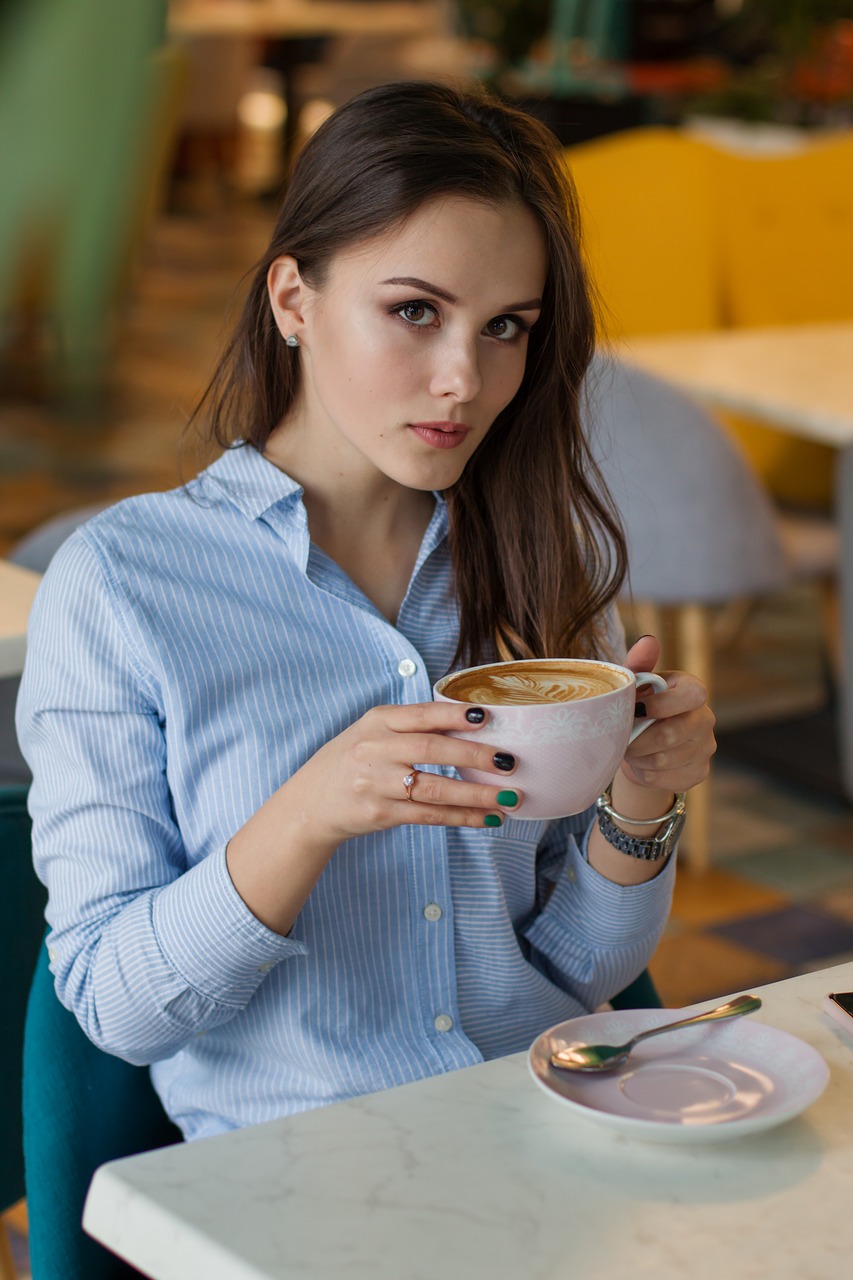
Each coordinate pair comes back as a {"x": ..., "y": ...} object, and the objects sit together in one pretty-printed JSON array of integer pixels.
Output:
[{"x": 604, "y": 1057}]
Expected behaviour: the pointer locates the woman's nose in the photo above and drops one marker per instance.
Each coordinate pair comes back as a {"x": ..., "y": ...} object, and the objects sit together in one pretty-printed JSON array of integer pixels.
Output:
[{"x": 458, "y": 372}]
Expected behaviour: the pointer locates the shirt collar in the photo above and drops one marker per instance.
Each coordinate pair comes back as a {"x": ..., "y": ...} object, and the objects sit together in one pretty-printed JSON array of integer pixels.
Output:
[
  {"x": 255, "y": 486},
  {"x": 252, "y": 482}
]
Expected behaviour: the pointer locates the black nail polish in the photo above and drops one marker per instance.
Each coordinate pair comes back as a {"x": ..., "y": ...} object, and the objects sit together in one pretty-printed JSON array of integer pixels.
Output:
[
  {"x": 503, "y": 760},
  {"x": 475, "y": 715},
  {"x": 640, "y": 710}
]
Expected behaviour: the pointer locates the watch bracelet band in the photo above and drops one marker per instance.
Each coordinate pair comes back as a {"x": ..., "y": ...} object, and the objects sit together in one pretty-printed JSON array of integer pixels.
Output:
[
  {"x": 604, "y": 802},
  {"x": 650, "y": 848}
]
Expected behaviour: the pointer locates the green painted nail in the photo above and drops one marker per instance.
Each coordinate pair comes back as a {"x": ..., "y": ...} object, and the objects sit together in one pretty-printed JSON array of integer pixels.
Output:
[
  {"x": 492, "y": 820},
  {"x": 509, "y": 798}
]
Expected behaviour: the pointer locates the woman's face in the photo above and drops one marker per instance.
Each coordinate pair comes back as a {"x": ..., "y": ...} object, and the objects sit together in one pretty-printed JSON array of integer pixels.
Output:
[{"x": 415, "y": 342}]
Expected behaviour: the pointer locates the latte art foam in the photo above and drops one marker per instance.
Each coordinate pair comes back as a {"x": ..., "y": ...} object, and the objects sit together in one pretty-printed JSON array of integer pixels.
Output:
[{"x": 525, "y": 683}]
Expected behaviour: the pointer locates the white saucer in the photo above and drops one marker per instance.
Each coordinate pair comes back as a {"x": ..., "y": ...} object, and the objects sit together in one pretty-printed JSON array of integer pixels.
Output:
[{"x": 715, "y": 1081}]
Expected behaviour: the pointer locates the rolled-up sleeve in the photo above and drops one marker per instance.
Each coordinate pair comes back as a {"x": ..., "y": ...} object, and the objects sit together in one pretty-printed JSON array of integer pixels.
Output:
[{"x": 150, "y": 943}]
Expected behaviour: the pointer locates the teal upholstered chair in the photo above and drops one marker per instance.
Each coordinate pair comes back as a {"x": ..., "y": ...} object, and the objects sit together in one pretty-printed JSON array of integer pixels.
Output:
[
  {"x": 80, "y": 1106},
  {"x": 639, "y": 994},
  {"x": 21, "y": 927}
]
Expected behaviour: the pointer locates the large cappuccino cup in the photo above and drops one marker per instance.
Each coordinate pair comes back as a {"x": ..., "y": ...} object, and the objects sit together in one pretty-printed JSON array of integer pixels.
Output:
[{"x": 568, "y": 722}]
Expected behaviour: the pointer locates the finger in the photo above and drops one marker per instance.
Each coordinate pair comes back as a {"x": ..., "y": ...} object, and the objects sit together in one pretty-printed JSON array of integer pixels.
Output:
[
  {"x": 682, "y": 756},
  {"x": 373, "y": 749},
  {"x": 677, "y": 779},
  {"x": 683, "y": 693},
  {"x": 452, "y": 815},
  {"x": 644, "y": 655},
  {"x": 667, "y": 732},
  {"x": 435, "y": 790},
  {"x": 459, "y": 753},
  {"x": 678, "y": 767},
  {"x": 693, "y": 730},
  {"x": 429, "y": 717}
]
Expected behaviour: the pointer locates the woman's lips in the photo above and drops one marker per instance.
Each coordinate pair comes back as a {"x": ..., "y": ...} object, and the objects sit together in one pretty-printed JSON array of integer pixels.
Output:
[{"x": 441, "y": 435}]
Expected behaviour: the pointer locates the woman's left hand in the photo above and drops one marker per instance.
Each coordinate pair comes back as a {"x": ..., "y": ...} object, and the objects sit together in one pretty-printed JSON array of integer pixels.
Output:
[{"x": 675, "y": 753}]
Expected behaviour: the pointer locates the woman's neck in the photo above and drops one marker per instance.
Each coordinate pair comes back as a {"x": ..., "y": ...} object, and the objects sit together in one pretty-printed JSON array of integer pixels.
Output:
[
  {"x": 376, "y": 544},
  {"x": 368, "y": 524}
]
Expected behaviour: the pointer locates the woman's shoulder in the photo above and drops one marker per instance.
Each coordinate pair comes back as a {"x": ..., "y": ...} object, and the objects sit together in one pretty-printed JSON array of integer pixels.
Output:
[
  {"x": 189, "y": 511},
  {"x": 222, "y": 501},
  {"x": 151, "y": 546},
  {"x": 130, "y": 545}
]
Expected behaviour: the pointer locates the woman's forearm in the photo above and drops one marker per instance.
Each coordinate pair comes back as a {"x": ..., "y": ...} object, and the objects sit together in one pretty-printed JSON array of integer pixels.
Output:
[{"x": 636, "y": 802}]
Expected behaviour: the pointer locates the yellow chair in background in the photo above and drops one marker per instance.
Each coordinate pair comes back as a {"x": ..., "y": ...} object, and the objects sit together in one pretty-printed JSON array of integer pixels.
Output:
[
  {"x": 786, "y": 238},
  {"x": 649, "y": 232},
  {"x": 786, "y": 229},
  {"x": 684, "y": 234}
]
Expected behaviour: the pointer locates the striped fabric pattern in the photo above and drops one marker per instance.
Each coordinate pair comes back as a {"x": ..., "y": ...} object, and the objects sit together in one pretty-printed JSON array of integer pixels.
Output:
[{"x": 188, "y": 651}]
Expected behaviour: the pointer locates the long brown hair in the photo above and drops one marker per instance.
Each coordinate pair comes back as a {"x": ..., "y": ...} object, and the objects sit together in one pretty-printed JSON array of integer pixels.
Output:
[{"x": 536, "y": 546}]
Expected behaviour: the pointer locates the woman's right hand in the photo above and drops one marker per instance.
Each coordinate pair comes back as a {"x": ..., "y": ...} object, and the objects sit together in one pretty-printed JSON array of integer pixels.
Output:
[{"x": 355, "y": 785}]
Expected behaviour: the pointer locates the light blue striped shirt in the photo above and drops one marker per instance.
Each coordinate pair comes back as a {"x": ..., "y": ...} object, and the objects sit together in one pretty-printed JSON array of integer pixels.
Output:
[{"x": 188, "y": 651}]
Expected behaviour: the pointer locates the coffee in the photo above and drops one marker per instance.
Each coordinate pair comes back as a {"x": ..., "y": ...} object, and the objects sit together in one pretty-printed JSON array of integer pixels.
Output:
[{"x": 524, "y": 683}]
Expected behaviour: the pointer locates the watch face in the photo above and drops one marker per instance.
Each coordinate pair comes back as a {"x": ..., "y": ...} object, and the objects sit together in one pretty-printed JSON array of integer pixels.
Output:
[
  {"x": 677, "y": 826},
  {"x": 670, "y": 837}
]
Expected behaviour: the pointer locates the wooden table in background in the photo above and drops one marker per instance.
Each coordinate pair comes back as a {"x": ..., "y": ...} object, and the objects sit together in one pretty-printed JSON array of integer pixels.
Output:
[
  {"x": 295, "y": 19},
  {"x": 288, "y": 22},
  {"x": 798, "y": 378}
]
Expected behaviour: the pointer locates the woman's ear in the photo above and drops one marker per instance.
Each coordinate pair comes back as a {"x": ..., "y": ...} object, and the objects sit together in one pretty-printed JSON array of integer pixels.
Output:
[{"x": 287, "y": 292}]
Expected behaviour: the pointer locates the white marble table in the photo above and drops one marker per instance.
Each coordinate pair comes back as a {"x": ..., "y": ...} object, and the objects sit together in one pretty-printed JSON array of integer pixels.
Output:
[
  {"x": 799, "y": 378},
  {"x": 477, "y": 1175},
  {"x": 17, "y": 589}
]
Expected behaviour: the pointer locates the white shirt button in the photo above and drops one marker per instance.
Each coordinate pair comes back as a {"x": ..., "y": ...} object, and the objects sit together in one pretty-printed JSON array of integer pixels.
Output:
[
  {"x": 52, "y": 954},
  {"x": 265, "y": 968},
  {"x": 432, "y": 911},
  {"x": 443, "y": 1022},
  {"x": 406, "y": 667}
]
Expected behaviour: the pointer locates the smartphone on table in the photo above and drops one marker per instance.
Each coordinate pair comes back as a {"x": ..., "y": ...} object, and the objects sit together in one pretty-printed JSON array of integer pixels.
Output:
[{"x": 839, "y": 1005}]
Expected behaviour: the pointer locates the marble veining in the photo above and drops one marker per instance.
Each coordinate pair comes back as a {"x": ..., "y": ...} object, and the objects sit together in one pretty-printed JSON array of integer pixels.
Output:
[{"x": 476, "y": 1174}]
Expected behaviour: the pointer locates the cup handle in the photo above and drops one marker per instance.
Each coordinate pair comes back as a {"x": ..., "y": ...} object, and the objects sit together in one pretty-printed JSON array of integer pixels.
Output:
[{"x": 646, "y": 677}]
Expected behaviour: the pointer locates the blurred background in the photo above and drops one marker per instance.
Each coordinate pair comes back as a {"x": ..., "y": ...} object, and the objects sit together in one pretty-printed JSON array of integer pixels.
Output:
[{"x": 144, "y": 150}]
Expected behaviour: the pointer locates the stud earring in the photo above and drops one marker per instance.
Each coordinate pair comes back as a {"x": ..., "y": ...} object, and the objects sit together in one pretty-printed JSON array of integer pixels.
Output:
[{"x": 291, "y": 340}]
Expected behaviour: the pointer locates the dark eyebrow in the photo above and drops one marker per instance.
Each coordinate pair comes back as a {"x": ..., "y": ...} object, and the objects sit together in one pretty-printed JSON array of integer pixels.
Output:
[{"x": 412, "y": 282}]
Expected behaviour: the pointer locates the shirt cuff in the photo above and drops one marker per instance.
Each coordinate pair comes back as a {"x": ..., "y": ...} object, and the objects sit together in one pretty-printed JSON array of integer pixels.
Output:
[
  {"x": 595, "y": 911},
  {"x": 212, "y": 939}
]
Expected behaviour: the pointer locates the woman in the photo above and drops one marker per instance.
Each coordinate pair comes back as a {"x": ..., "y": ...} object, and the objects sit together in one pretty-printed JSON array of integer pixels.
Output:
[{"x": 227, "y": 685}]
